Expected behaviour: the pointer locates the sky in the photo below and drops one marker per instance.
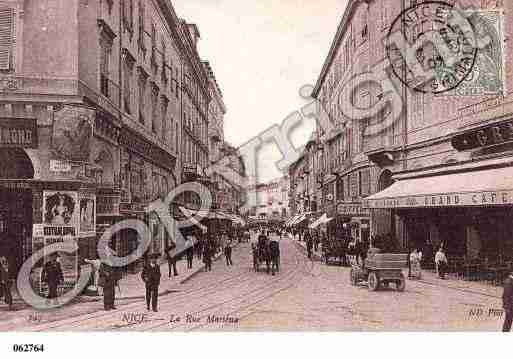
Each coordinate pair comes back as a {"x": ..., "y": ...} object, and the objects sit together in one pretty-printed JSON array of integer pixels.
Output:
[{"x": 262, "y": 52}]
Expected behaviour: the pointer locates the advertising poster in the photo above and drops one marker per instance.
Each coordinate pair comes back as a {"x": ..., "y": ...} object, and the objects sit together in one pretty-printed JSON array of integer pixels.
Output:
[
  {"x": 72, "y": 133},
  {"x": 61, "y": 215}
]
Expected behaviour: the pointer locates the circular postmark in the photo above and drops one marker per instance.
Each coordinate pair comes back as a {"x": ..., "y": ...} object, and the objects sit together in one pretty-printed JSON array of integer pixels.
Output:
[{"x": 431, "y": 47}]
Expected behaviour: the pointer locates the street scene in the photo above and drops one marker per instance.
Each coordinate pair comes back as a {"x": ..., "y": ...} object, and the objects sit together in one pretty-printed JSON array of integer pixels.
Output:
[
  {"x": 257, "y": 166},
  {"x": 305, "y": 295}
]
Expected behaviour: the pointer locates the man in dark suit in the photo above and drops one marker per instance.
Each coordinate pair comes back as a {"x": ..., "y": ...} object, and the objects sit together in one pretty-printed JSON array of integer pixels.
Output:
[
  {"x": 52, "y": 276},
  {"x": 507, "y": 303},
  {"x": 151, "y": 277}
]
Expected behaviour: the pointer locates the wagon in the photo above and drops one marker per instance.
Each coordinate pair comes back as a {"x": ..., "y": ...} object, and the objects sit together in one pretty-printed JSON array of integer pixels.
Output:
[{"x": 380, "y": 270}]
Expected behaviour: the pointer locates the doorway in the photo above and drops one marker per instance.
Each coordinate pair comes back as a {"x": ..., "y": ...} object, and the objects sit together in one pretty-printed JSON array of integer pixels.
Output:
[
  {"x": 15, "y": 225},
  {"x": 15, "y": 207}
]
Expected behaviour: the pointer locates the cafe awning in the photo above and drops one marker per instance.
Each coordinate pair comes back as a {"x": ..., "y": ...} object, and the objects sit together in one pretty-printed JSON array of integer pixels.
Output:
[{"x": 491, "y": 187}]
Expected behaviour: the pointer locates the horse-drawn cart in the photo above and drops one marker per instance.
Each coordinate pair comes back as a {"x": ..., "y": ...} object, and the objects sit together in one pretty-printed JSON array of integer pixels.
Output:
[{"x": 380, "y": 270}]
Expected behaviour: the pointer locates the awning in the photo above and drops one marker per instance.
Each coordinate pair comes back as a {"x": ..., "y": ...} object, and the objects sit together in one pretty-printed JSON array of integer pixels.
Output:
[
  {"x": 491, "y": 187},
  {"x": 321, "y": 220},
  {"x": 291, "y": 220}
]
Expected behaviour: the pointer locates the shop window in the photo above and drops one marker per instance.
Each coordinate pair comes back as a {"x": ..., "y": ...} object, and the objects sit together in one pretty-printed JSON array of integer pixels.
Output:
[{"x": 6, "y": 38}]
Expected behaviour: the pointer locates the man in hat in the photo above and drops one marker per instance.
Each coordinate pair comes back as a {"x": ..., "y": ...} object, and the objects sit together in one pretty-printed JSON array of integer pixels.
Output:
[
  {"x": 52, "y": 276},
  {"x": 6, "y": 281},
  {"x": 507, "y": 303},
  {"x": 151, "y": 277},
  {"x": 108, "y": 278}
]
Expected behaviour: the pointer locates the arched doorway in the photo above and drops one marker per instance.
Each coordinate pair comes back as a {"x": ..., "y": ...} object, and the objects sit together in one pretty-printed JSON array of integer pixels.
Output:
[{"x": 15, "y": 206}]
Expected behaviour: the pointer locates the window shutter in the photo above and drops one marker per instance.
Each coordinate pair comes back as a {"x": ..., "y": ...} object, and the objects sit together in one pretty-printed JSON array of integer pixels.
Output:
[{"x": 6, "y": 37}]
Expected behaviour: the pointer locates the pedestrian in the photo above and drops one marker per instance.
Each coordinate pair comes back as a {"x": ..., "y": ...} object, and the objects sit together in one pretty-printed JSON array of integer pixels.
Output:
[
  {"x": 415, "y": 259},
  {"x": 6, "y": 282},
  {"x": 171, "y": 264},
  {"x": 207, "y": 253},
  {"x": 189, "y": 253},
  {"x": 228, "y": 252},
  {"x": 507, "y": 303},
  {"x": 274, "y": 249},
  {"x": 309, "y": 243},
  {"x": 52, "y": 275},
  {"x": 316, "y": 242},
  {"x": 151, "y": 277},
  {"x": 441, "y": 263},
  {"x": 108, "y": 280}
]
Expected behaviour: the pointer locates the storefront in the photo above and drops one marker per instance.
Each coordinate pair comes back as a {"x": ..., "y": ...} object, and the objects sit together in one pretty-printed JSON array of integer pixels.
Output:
[
  {"x": 147, "y": 174},
  {"x": 355, "y": 220},
  {"x": 468, "y": 211}
]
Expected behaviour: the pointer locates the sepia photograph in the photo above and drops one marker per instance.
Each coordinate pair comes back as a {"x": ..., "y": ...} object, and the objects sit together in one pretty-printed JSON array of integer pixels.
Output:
[{"x": 239, "y": 166}]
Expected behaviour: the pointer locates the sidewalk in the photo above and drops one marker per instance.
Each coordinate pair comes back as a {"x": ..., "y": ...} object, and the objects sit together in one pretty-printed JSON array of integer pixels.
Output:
[
  {"x": 430, "y": 278},
  {"x": 132, "y": 286},
  {"x": 451, "y": 282}
]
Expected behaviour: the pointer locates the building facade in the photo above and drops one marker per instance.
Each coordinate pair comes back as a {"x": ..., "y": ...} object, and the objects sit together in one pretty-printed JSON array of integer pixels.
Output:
[
  {"x": 435, "y": 173},
  {"x": 272, "y": 199},
  {"x": 103, "y": 109}
]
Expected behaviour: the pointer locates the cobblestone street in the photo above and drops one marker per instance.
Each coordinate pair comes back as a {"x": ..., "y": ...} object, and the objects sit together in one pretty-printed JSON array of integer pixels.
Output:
[{"x": 306, "y": 295}]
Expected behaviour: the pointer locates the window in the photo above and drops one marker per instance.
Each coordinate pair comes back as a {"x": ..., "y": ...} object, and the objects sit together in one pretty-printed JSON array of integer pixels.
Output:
[
  {"x": 128, "y": 15},
  {"x": 154, "y": 107},
  {"x": 365, "y": 32},
  {"x": 365, "y": 182},
  {"x": 163, "y": 116},
  {"x": 6, "y": 38},
  {"x": 105, "y": 52},
  {"x": 128, "y": 66},
  {"x": 140, "y": 41},
  {"x": 154, "y": 47},
  {"x": 340, "y": 189},
  {"x": 177, "y": 138},
  {"x": 143, "y": 77}
]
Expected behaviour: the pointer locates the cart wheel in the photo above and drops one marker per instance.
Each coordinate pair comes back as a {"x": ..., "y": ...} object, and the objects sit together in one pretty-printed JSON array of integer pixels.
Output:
[
  {"x": 401, "y": 284},
  {"x": 373, "y": 281},
  {"x": 353, "y": 277}
]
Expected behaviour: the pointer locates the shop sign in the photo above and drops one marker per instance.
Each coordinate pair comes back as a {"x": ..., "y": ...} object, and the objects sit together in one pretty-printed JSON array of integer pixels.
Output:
[
  {"x": 139, "y": 145},
  {"x": 468, "y": 199},
  {"x": 131, "y": 207},
  {"x": 18, "y": 132},
  {"x": 87, "y": 202},
  {"x": 496, "y": 134},
  {"x": 61, "y": 215},
  {"x": 352, "y": 210},
  {"x": 60, "y": 166}
]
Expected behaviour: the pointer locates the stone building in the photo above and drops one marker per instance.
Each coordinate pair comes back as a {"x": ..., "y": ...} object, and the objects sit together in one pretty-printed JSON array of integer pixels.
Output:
[
  {"x": 272, "y": 199},
  {"x": 436, "y": 172},
  {"x": 103, "y": 109}
]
